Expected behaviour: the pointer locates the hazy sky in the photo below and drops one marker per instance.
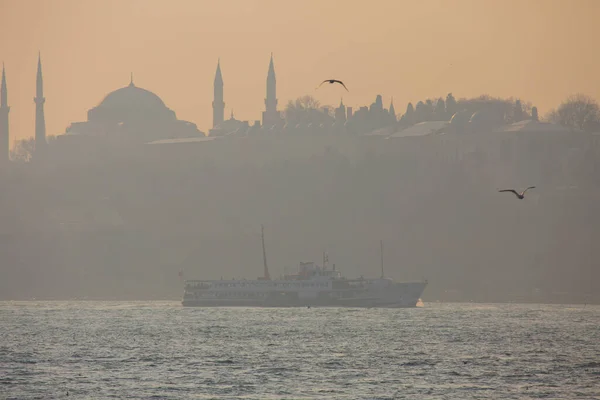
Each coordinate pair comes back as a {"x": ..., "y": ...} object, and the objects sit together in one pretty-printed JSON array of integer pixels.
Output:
[{"x": 538, "y": 50}]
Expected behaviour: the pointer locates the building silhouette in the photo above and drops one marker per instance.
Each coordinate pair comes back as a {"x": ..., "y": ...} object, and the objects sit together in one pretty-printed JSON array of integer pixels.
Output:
[
  {"x": 39, "y": 100},
  {"x": 133, "y": 114},
  {"x": 4, "y": 110},
  {"x": 218, "y": 103},
  {"x": 231, "y": 126},
  {"x": 340, "y": 114},
  {"x": 271, "y": 116}
]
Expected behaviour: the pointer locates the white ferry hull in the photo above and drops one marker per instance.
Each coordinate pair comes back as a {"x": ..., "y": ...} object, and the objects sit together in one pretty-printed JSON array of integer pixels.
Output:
[
  {"x": 395, "y": 295},
  {"x": 206, "y": 304}
]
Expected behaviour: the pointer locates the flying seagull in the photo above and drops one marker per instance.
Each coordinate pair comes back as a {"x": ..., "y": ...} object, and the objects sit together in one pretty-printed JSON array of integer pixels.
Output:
[
  {"x": 521, "y": 195},
  {"x": 334, "y": 81}
]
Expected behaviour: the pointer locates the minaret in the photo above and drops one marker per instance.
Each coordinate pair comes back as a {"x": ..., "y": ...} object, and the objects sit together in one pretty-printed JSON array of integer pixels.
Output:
[
  {"x": 218, "y": 103},
  {"x": 39, "y": 100},
  {"x": 271, "y": 116},
  {"x": 4, "y": 109}
]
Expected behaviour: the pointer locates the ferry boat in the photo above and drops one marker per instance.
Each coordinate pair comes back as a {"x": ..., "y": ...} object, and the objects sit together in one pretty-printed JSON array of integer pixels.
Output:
[{"x": 310, "y": 285}]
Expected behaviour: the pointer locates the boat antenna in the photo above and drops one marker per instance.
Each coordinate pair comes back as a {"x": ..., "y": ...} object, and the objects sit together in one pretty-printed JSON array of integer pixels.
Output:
[
  {"x": 381, "y": 246},
  {"x": 266, "y": 272}
]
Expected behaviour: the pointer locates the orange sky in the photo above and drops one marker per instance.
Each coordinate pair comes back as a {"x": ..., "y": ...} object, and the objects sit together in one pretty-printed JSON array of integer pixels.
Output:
[{"x": 538, "y": 50}]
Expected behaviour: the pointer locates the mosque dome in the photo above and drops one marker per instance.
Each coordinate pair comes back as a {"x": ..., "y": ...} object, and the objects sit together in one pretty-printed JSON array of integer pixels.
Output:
[
  {"x": 131, "y": 104},
  {"x": 132, "y": 96},
  {"x": 134, "y": 113}
]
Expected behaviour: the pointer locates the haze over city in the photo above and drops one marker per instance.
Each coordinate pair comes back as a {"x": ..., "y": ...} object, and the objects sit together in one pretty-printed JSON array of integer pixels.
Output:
[
  {"x": 539, "y": 51},
  {"x": 314, "y": 199},
  {"x": 163, "y": 135}
]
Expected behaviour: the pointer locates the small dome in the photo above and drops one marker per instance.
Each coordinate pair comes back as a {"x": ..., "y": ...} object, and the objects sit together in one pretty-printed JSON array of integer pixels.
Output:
[{"x": 132, "y": 97}]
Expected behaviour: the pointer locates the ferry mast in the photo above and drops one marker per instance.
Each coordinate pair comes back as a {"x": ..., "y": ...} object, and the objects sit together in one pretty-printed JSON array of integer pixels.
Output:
[{"x": 266, "y": 275}]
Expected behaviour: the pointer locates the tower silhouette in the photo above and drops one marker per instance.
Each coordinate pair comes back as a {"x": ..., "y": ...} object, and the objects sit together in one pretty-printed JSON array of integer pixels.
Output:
[
  {"x": 218, "y": 103},
  {"x": 340, "y": 113},
  {"x": 4, "y": 110},
  {"x": 270, "y": 115},
  {"x": 39, "y": 100}
]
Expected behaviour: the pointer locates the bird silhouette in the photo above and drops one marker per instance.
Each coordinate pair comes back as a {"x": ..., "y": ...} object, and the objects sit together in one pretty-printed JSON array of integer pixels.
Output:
[
  {"x": 333, "y": 81},
  {"x": 521, "y": 195}
]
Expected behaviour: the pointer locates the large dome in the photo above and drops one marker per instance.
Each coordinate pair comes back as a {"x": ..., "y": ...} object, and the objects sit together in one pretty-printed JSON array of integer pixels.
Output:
[
  {"x": 132, "y": 97},
  {"x": 136, "y": 113},
  {"x": 131, "y": 104}
]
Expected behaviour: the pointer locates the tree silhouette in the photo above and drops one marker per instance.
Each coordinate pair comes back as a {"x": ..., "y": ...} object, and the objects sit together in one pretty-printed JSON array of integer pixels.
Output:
[
  {"x": 306, "y": 109},
  {"x": 22, "y": 150},
  {"x": 450, "y": 104},
  {"x": 409, "y": 117},
  {"x": 518, "y": 112},
  {"x": 420, "y": 112},
  {"x": 429, "y": 108},
  {"x": 303, "y": 103},
  {"x": 498, "y": 107},
  {"x": 440, "y": 110},
  {"x": 578, "y": 111}
]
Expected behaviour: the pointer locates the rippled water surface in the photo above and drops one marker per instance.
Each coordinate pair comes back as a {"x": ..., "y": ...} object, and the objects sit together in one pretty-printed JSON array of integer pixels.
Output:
[{"x": 159, "y": 350}]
